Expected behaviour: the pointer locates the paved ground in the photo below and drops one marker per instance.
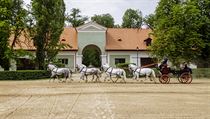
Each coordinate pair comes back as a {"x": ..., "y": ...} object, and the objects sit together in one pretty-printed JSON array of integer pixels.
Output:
[{"x": 133, "y": 100}]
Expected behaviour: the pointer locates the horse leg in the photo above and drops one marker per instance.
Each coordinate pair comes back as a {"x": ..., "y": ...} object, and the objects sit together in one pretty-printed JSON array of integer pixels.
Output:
[
  {"x": 153, "y": 76},
  {"x": 111, "y": 79},
  {"x": 93, "y": 77},
  {"x": 134, "y": 76},
  {"x": 97, "y": 78},
  {"x": 116, "y": 80},
  {"x": 67, "y": 75},
  {"x": 71, "y": 77},
  {"x": 50, "y": 78},
  {"x": 146, "y": 77},
  {"x": 137, "y": 76},
  {"x": 86, "y": 79},
  {"x": 82, "y": 77},
  {"x": 105, "y": 78}
]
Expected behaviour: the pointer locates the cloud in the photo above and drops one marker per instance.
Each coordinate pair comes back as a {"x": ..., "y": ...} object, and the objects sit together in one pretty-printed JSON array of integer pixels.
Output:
[{"x": 115, "y": 7}]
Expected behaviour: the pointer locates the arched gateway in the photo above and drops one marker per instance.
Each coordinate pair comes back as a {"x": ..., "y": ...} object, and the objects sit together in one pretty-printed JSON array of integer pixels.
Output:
[
  {"x": 91, "y": 44},
  {"x": 91, "y": 56}
]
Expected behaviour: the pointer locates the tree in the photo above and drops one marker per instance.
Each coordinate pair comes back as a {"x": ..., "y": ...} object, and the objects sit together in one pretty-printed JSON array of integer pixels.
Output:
[
  {"x": 18, "y": 21},
  {"x": 75, "y": 18},
  {"x": 150, "y": 21},
  {"x": 105, "y": 20},
  {"x": 176, "y": 31},
  {"x": 132, "y": 19},
  {"x": 5, "y": 17},
  {"x": 49, "y": 22},
  {"x": 204, "y": 30}
]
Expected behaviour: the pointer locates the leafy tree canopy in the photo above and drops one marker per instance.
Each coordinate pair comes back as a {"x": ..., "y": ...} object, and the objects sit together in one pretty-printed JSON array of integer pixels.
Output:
[
  {"x": 105, "y": 20},
  {"x": 5, "y": 19},
  {"x": 176, "y": 30},
  {"x": 49, "y": 22},
  {"x": 132, "y": 19},
  {"x": 75, "y": 18}
]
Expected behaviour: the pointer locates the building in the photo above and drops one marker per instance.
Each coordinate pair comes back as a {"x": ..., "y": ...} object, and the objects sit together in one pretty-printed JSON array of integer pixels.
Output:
[{"x": 114, "y": 45}]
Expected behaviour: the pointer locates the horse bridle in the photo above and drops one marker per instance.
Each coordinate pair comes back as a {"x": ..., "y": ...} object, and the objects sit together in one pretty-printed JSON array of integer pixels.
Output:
[
  {"x": 81, "y": 69},
  {"x": 136, "y": 70},
  {"x": 110, "y": 73}
]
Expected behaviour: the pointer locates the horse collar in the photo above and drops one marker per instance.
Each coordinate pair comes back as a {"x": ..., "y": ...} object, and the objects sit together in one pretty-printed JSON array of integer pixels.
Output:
[
  {"x": 108, "y": 69},
  {"x": 81, "y": 69},
  {"x": 56, "y": 69},
  {"x": 136, "y": 69}
]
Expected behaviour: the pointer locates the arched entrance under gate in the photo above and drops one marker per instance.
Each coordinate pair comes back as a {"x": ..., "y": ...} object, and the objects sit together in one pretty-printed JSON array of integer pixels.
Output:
[{"x": 91, "y": 56}]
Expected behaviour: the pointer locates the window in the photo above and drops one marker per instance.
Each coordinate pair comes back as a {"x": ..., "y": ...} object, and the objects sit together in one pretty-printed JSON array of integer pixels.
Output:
[
  {"x": 148, "y": 41},
  {"x": 64, "y": 61},
  {"x": 148, "y": 62},
  {"x": 119, "y": 60}
]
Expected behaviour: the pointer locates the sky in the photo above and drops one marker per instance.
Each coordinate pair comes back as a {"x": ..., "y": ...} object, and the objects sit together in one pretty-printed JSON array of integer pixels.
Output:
[{"x": 115, "y": 7}]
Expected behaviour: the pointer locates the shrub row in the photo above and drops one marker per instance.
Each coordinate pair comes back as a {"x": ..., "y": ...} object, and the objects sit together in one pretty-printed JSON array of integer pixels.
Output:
[
  {"x": 197, "y": 73},
  {"x": 24, "y": 75},
  {"x": 201, "y": 73}
]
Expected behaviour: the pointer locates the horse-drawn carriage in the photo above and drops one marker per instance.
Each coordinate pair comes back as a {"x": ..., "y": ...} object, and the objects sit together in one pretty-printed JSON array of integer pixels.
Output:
[{"x": 183, "y": 75}]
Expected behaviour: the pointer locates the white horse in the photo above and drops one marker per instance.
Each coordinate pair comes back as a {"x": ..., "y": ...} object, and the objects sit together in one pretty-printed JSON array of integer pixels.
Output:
[
  {"x": 55, "y": 72},
  {"x": 85, "y": 71},
  {"x": 110, "y": 71},
  {"x": 142, "y": 71}
]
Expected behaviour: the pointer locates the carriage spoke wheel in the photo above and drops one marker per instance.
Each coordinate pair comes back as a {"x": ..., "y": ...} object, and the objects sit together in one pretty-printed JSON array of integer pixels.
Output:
[
  {"x": 185, "y": 78},
  {"x": 164, "y": 79}
]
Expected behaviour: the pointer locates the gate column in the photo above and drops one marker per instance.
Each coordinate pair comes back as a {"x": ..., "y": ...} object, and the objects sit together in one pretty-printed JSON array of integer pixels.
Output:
[{"x": 103, "y": 59}]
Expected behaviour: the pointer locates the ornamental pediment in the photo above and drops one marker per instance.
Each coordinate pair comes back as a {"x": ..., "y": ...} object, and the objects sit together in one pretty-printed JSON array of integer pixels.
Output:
[{"x": 91, "y": 27}]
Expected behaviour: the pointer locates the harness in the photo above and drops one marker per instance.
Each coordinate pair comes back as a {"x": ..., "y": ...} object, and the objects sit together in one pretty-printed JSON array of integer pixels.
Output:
[
  {"x": 85, "y": 72},
  {"x": 110, "y": 73},
  {"x": 56, "y": 70},
  {"x": 81, "y": 69},
  {"x": 136, "y": 70}
]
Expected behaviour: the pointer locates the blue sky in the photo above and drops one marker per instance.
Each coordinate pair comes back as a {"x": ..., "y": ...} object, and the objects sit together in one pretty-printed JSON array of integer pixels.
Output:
[{"x": 115, "y": 7}]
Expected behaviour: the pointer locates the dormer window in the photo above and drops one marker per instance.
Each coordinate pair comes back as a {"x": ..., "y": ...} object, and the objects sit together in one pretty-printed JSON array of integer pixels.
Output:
[
  {"x": 148, "y": 41},
  {"x": 119, "y": 39},
  {"x": 63, "y": 39}
]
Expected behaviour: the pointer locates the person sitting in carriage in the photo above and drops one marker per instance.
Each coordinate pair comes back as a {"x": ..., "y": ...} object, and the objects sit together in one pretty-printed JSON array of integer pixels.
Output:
[
  {"x": 164, "y": 62},
  {"x": 165, "y": 69},
  {"x": 186, "y": 69}
]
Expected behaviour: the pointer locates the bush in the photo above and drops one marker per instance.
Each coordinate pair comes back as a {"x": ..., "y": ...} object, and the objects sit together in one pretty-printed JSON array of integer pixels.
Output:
[
  {"x": 125, "y": 67},
  {"x": 201, "y": 73},
  {"x": 24, "y": 75}
]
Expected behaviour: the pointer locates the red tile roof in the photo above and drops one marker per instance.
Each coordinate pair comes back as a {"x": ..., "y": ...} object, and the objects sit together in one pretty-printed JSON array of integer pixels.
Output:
[
  {"x": 126, "y": 38},
  {"x": 68, "y": 36},
  {"x": 116, "y": 39}
]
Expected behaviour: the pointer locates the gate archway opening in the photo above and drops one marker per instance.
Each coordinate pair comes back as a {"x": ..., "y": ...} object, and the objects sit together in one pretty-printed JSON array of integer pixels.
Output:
[{"x": 91, "y": 56}]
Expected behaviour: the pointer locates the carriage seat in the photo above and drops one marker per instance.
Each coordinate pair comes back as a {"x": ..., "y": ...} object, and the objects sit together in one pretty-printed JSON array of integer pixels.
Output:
[
  {"x": 186, "y": 70},
  {"x": 165, "y": 70}
]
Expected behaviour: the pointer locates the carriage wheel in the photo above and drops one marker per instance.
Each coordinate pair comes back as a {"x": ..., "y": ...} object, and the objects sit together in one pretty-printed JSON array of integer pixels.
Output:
[
  {"x": 185, "y": 78},
  {"x": 164, "y": 79},
  {"x": 180, "y": 80}
]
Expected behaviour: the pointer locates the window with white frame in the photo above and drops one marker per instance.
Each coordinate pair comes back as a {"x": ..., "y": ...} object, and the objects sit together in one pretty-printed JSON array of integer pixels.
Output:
[
  {"x": 119, "y": 60},
  {"x": 64, "y": 61}
]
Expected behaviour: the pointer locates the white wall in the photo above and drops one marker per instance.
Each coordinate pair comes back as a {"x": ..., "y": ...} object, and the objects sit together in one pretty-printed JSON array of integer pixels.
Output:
[{"x": 133, "y": 55}]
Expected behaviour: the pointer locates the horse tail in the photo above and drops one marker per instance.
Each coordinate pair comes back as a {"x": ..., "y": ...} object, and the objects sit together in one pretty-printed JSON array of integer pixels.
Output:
[
  {"x": 124, "y": 74},
  {"x": 153, "y": 75},
  {"x": 70, "y": 73}
]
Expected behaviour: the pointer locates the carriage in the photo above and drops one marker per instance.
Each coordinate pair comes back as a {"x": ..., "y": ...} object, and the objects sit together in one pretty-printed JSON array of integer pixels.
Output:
[{"x": 183, "y": 76}]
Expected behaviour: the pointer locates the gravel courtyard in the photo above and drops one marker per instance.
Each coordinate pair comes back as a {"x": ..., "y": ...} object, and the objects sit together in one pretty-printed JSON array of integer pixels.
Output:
[{"x": 134, "y": 100}]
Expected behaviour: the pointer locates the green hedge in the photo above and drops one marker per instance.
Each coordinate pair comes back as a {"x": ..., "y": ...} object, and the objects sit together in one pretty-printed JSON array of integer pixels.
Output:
[
  {"x": 201, "y": 73},
  {"x": 24, "y": 75},
  {"x": 197, "y": 73},
  {"x": 125, "y": 67}
]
